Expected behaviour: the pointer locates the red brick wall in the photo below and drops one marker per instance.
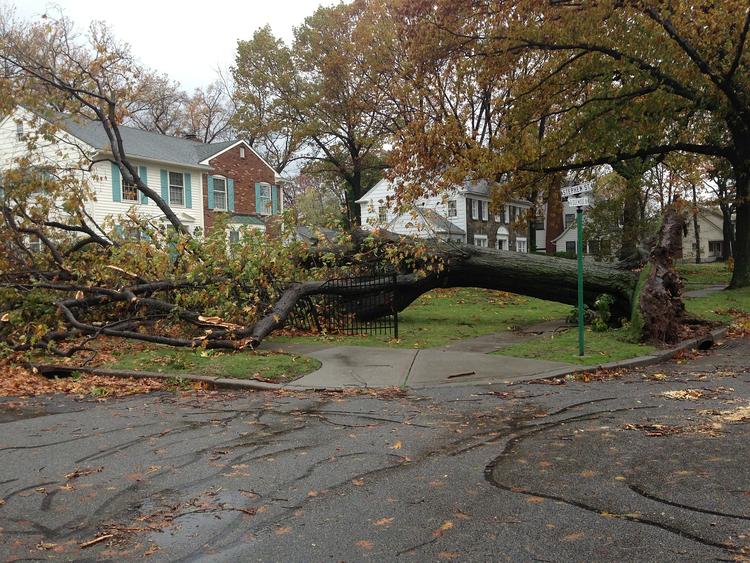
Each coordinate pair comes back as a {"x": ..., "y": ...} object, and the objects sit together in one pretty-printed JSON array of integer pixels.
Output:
[{"x": 245, "y": 172}]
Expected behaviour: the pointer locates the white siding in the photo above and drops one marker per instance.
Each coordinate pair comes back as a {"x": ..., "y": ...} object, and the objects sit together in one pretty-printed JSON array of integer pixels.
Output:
[
  {"x": 710, "y": 227},
  {"x": 409, "y": 223}
]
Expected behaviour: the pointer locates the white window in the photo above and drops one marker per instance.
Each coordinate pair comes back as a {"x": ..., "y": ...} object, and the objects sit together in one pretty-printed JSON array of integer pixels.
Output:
[
  {"x": 500, "y": 215},
  {"x": 452, "y": 208},
  {"x": 480, "y": 240},
  {"x": 19, "y": 131},
  {"x": 570, "y": 218},
  {"x": 234, "y": 237},
  {"x": 485, "y": 210},
  {"x": 382, "y": 214},
  {"x": 265, "y": 199},
  {"x": 176, "y": 188},
  {"x": 35, "y": 243},
  {"x": 475, "y": 209},
  {"x": 220, "y": 194},
  {"x": 521, "y": 245},
  {"x": 129, "y": 192},
  {"x": 242, "y": 152}
]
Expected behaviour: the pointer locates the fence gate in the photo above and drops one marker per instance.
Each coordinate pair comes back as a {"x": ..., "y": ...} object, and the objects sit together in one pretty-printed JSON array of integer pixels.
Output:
[{"x": 361, "y": 305}]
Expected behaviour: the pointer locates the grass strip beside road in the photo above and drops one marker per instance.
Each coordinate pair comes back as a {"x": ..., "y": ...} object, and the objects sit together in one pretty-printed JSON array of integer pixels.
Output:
[
  {"x": 262, "y": 365},
  {"x": 601, "y": 347}
]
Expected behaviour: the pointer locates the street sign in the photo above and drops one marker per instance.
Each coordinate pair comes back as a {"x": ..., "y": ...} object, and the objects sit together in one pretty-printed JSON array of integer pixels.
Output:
[
  {"x": 577, "y": 189},
  {"x": 578, "y": 201}
]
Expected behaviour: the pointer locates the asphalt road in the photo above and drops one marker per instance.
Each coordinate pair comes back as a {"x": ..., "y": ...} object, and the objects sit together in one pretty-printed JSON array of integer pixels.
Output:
[{"x": 606, "y": 470}]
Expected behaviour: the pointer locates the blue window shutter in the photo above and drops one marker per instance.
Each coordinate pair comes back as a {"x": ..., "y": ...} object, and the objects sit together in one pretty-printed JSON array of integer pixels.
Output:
[
  {"x": 188, "y": 191},
  {"x": 165, "y": 186},
  {"x": 230, "y": 194},
  {"x": 257, "y": 198},
  {"x": 116, "y": 183},
  {"x": 274, "y": 200},
  {"x": 211, "y": 202},
  {"x": 143, "y": 173}
]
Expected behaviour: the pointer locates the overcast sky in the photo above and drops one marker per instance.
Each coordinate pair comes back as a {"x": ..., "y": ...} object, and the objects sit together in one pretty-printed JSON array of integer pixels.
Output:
[{"x": 186, "y": 39}]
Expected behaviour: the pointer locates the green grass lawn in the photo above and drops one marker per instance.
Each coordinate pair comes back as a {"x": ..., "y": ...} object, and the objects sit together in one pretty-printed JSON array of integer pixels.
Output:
[
  {"x": 240, "y": 365},
  {"x": 717, "y": 306},
  {"x": 445, "y": 315},
  {"x": 600, "y": 347},
  {"x": 697, "y": 276}
]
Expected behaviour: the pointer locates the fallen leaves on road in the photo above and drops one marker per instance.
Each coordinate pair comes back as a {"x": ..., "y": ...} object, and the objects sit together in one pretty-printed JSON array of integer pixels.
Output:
[
  {"x": 95, "y": 541},
  {"x": 19, "y": 381},
  {"x": 655, "y": 429},
  {"x": 364, "y": 544},
  {"x": 83, "y": 472},
  {"x": 444, "y": 527},
  {"x": 384, "y": 521},
  {"x": 396, "y": 446},
  {"x": 685, "y": 394},
  {"x": 740, "y": 414}
]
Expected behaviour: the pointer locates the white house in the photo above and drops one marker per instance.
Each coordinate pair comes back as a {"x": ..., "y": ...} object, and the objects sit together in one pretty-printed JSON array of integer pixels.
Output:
[
  {"x": 169, "y": 165},
  {"x": 461, "y": 214},
  {"x": 711, "y": 235}
]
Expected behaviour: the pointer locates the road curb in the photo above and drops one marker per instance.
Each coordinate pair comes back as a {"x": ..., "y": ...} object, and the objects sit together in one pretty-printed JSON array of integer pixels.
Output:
[
  {"x": 641, "y": 361},
  {"x": 220, "y": 382}
]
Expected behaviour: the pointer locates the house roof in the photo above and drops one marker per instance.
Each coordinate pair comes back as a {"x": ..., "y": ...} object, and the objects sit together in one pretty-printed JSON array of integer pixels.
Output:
[
  {"x": 143, "y": 144},
  {"x": 439, "y": 223}
]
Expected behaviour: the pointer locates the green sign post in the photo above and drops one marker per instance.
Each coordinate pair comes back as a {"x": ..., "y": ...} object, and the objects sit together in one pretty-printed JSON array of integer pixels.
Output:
[
  {"x": 579, "y": 255},
  {"x": 579, "y": 203}
]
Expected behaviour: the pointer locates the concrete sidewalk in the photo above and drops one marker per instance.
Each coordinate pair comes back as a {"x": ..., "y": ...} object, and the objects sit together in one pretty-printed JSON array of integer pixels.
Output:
[{"x": 364, "y": 366}]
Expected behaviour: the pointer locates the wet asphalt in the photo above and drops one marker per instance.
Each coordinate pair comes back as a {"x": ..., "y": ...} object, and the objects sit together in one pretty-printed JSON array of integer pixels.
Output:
[{"x": 608, "y": 470}]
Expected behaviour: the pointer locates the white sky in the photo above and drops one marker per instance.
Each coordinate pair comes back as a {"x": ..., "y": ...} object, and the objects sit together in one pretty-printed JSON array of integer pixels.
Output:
[{"x": 186, "y": 39}]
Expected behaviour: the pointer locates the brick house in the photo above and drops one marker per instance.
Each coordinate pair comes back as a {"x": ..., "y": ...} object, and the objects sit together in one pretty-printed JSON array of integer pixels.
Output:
[{"x": 241, "y": 184}]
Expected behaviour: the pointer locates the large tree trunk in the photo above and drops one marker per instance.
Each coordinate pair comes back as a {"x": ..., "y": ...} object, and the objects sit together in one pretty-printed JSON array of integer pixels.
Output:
[{"x": 660, "y": 299}]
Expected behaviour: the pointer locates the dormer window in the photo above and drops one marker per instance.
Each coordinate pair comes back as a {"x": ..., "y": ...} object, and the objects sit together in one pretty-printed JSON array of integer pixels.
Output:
[
  {"x": 19, "y": 131},
  {"x": 242, "y": 152}
]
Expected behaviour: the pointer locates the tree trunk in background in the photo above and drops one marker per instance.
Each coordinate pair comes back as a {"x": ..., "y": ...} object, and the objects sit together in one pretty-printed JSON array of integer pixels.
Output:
[
  {"x": 696, "y": 228},
  {"x": 555, "y": 220},
  {"x": 631, "y": 231},
  {"x": 727, "y": 229},
  {"x": 741, "y": 249}
]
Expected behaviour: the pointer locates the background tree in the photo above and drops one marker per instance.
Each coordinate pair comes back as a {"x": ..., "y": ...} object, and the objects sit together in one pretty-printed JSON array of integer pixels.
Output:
[
  {"x": 320, "y": 96},
  {"x": 159, "y": 106}
]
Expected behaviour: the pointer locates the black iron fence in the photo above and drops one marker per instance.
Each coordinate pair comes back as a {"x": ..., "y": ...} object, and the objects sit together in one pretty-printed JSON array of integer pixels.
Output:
[{"x": 356, "y": 305}]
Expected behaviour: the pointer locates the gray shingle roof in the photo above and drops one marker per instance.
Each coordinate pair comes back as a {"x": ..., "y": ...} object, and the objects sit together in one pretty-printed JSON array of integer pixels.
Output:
[{"x": 145, "y": 144}]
